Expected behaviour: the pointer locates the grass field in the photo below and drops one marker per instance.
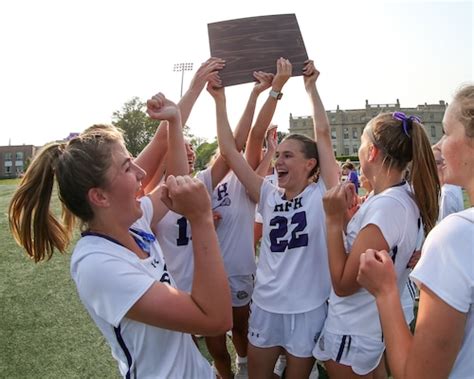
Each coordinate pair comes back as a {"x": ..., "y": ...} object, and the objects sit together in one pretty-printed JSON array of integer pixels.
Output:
[{"x": 45, "y": 331}]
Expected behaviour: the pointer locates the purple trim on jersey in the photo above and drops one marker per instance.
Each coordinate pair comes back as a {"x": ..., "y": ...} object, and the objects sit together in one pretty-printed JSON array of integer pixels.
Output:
[
  {"x": 88, "y": 233},
  {"x": 124, "y": 347},
  {"x": 341, "y": 348},
  {"x": 143, "y": 239}
]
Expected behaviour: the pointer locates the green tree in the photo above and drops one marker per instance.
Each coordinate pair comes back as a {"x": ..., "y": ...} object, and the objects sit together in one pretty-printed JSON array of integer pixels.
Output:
[
  {"x": 137, "y": 127},
  {"x": 281, "y": 135},
  {"x": 204, "y": 152}
]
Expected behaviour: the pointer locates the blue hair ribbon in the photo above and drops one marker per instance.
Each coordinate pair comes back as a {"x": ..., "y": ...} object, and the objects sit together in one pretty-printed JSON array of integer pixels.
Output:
[{"x": 407, "y": 122}]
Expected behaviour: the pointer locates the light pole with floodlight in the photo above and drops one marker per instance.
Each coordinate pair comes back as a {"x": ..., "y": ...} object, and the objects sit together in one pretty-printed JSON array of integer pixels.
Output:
[{"x": 181, "y": 67}]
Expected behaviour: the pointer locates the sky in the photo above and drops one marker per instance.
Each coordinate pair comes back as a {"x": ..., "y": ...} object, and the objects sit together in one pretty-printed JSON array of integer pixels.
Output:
[{"x": 65, "y": 65}]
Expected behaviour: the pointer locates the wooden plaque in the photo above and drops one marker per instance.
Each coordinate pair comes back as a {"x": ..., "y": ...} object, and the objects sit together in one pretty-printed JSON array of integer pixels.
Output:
[{"x": 254, "y": 44}]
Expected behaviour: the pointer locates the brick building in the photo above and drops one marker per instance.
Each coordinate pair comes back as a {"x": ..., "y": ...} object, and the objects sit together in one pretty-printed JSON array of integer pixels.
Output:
[
  {"x": 347, "y": 125},
  {"x": 13, "y": 159}
]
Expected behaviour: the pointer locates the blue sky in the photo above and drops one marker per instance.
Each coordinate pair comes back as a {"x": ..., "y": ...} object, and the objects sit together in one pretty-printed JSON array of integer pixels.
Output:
[{"x": 68, "y": 64}]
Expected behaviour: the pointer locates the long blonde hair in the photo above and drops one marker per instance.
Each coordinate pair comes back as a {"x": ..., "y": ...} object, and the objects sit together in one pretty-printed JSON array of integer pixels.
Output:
[
  {"x": 77, "y": 166},
  {"x": 465, "y": 99}
]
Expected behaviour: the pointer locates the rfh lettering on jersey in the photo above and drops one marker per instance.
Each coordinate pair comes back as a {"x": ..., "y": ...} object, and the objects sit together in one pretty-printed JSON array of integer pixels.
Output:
[{"x": 288, "y": 205}]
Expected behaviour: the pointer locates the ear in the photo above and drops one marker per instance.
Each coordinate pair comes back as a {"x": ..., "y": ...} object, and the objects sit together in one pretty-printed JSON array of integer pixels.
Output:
[
  {"x": 97, "y": 197},
  {"x": 311, "y": 164},
  {"x": 373, "y": 153}
]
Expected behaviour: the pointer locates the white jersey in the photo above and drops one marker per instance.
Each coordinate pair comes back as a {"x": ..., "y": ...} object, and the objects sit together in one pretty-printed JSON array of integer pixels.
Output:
[
  {"x": 396, "y": 214},
  {"x": 110, "y": 279},
  {"x": 293, "y": 271},
  {"x": 174, "y": 235},
  {"x": 451, "y": 200},
  {"x": 173, "y": 232},
  {"x": 446, "y": 267},
  {"x": 272, "y": 178},
  {"x": 235, "y": 229}
]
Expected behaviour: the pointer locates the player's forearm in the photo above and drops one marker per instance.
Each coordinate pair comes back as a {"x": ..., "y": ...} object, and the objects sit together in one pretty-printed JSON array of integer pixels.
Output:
[
  {"x": 176, "y": 159},
  {"x": 396, "y": 334},
  {"x": 210, "y": 288},
  {"x": 187, "y": 102},
  {"x": 225, "y": 137},
  {"x": 320, "y": 119},
  {"x": 243, "y": 127},
  {"x": 153, "y": 155},
  {"x": 264, "y": 165},
  {"x": 336, "y": 254}
]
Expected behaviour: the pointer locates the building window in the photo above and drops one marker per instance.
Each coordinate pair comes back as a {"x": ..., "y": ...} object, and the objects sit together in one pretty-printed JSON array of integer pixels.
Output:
[
  {"x": 346, "y": 150},
  {"x": 346, "y": 133},
  {"x": 431, "y": 116},
  {"x": 333, "y": 133},
  {"x": 354, "y": 133},
  {"x": 8, "y": 169},
  {"x": 433, "y": 131},
  {"x": 355, "y": 150},
  {"x": 19, "y": 155},
  {"x": 8, "y": 156}
]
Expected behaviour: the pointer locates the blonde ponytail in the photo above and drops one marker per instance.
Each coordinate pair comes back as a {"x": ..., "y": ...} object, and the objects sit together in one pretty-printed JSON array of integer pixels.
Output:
[{"x": 32, "y": 223}]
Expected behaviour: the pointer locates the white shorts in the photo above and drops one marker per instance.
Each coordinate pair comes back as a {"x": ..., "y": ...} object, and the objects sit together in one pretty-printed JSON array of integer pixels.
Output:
[
  {"x": 296, "y": 333},
  {"x": 362, "y": 354},
  {"x": 241, "y": 289}
]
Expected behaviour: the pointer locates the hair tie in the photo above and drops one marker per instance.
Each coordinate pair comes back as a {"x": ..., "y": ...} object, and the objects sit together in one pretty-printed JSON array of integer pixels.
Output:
[{"x": 407, "y": 122}]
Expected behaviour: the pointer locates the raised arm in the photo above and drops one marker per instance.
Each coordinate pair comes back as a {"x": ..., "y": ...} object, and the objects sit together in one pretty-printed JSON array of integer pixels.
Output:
[
  {"x": 160, "y": 108},
  {"x": 439, "y": 330},
  {"x": 265, "y": 163},
  {"x": 257, "y": 133},
  {"x": 344, "y": 267},
  {"x": 153, "y": 155},
  {"x": 322, "y": 131},
  {"x": 207, "y": 72},
  {"x": 207, "y": 310},
  {"x": 220, "y": 168},
  {"x": 228, "y": 149}
]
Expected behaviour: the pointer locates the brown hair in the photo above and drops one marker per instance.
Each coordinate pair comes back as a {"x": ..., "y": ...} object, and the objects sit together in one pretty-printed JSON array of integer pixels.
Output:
[
  {"x": 309, "y": 150},
  {"x": 78, "y": 166},
  {"x": 349, "y": 166},
  {"x": 399, "y": 149},
  {"x": 465, "y": 99}
]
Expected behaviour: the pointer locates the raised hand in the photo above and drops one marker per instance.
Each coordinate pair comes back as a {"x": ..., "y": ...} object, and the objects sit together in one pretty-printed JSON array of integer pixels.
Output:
[
  {"x": 160, "y": 108},
  {"x": 209, "y": 71},
  {"x": 187, "y": 196},
  {"x": 264, "y": 81},
  {"x": 217, "y": 92},
  {"x": 376, "y": 272},
  {"x": 284, "y": 70},
  {"x": 339, "y": 200},
  {"x": 272, "y": 138},
  {"x": 310, "y": 74}
]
